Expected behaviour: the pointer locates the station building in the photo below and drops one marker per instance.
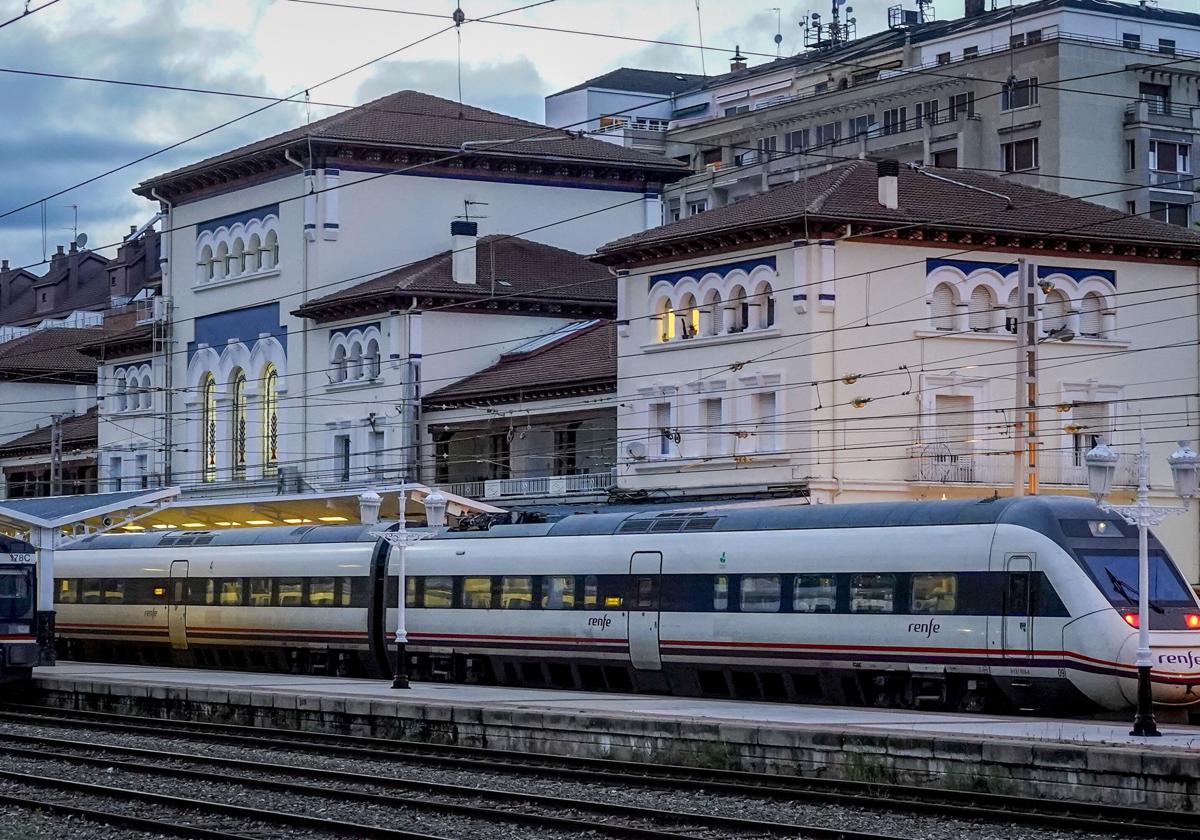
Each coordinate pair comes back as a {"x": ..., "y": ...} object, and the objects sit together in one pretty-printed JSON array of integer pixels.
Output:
[
  {"x": 844, "y": 339},
  {"x": 315, "y": 284}
]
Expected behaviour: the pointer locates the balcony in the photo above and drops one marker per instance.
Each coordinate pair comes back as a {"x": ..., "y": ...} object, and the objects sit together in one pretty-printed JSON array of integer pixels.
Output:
[
  {"x": 1158, "y": 112},
  {"x": 944, "y": 463},
  {"x": 587, "y": 484}
]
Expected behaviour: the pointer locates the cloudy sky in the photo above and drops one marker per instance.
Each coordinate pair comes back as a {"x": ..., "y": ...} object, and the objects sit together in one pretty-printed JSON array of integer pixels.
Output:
[{"x": 57, "y": 133}]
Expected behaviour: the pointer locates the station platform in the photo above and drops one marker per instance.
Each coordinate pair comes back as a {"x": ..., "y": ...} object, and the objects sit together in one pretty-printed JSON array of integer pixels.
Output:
[{"x": 1071, "y": 759}]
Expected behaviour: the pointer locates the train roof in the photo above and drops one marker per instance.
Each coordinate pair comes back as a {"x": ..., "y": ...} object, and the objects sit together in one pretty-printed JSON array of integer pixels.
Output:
[
  {"x": 1040, "y": 513},
  {"x": 12, "y": 545}
]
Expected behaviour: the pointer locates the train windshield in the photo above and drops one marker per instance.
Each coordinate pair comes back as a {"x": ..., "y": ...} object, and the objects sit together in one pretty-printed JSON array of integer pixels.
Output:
[
  {"x": 16, "y": 593},
  {"x": 1116, "y": 572}
]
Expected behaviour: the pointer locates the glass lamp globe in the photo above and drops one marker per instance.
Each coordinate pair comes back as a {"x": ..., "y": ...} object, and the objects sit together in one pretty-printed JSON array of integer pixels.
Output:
[
  {"x": 1183, "y": 463},
  {"x": 1101, "y": 465}
]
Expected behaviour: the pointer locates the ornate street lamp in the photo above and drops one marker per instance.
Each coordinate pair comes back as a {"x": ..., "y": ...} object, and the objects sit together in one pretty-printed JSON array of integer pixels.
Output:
[
  {"x": 1101, "y": 464},
  {"x": 400, "y": 539}
]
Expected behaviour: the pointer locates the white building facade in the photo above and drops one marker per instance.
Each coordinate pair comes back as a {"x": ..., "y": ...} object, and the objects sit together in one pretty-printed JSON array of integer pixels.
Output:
[{"x": 815, "y": 342}]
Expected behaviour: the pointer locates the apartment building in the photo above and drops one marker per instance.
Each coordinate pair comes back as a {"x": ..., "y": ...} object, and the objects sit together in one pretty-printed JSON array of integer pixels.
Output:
[{"x": 1089, "y": 98}]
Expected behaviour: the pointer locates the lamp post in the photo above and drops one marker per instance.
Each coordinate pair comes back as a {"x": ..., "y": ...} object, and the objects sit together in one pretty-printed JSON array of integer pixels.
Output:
[
  {"x": 1101, "y": 463},
  {"x": 400, "y": 539}
]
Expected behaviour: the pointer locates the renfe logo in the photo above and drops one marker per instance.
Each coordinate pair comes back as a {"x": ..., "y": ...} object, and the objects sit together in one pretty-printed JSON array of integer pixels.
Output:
[
  {"x": 1189, "y": 659},
  {"x": 600, "y": 621},
  {"x": 927, "y": 628}
]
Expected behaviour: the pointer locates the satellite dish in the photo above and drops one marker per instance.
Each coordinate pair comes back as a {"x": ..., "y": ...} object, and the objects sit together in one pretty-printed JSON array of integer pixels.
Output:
[
  {"x": 81, "y": 240},
  {"x": 636, "y": 451}
]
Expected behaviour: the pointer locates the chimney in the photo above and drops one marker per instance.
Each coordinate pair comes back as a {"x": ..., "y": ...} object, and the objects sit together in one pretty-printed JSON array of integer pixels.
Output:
[
  {"x": 738, "y": 62},
  {"x": 463, "y": 236},
  {"x": 58, "y": 260},
  {"x": 889, "y": 183},
  {"x": 973, "y": 8}
]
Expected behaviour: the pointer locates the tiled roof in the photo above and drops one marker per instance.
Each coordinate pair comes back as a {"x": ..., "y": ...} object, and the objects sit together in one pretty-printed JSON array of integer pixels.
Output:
[
  {"x": 54, "y": 351},
  {"x": 523, "y": 270},
  {"x": 78, "y": 432},
  {"x": 114, "y": 345},
  {"x": 412, "y": 119},
  {"x": 660, "y": 82},
  {"x": 583, "y": 361},
  {"x": 956, "y": 200}
]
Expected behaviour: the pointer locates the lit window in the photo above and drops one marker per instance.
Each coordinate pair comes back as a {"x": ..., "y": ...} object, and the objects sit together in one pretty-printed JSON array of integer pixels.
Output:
[
  {"x": 934, "y": 593},
  {"x": 516, "y": 592},
  {"x": 477, "y": 593},
  {"x": 270, "y": 400},
  {"x": 238, "y": 424},
  {"x": 208, "y": 429}
]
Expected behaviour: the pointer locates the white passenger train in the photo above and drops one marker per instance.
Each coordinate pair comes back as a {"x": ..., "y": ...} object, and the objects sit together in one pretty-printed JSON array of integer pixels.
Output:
[{"x": 1001, "y": 603}]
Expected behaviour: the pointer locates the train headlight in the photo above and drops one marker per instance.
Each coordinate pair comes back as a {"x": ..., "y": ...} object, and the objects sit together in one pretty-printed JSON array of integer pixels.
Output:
[
  {"x": 1131, "y": 618},
  {"x": 1192, "y": 620}
]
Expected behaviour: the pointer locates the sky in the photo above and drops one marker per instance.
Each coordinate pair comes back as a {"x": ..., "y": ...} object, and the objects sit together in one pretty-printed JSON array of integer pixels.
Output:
[{"x": 57, "y": 133}]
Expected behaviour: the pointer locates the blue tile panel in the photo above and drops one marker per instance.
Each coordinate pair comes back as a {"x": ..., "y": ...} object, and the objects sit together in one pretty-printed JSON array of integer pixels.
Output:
[
  {"x": 243, "y": 217},
  {"x": 245, "y": 325},
  {"x": 1005, "y": 269},
  {"x": 724, "y": 270}
]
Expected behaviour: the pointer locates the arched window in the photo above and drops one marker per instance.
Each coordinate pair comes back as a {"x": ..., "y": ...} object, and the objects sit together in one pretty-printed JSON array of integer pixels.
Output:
[
  {"x": 339, "y": 363},
  {"x": 208, "y": 429},
  {"x": 980, "y": 317},
  {"x": 764, "y": 304},
  {"x": 740, "y": 307},
  {"x": 253, "y": 255},
  {"x": 356, "y": 361},
  {"x": 237, "y": 259},
  {"x": 941, "y": 310},
  {"x": 205, "y": 264},
  {"x": 119, "y": 393},
  {"x": 664, "y": 320},
  {"x": 270, "y": 402},
  {"x": 1054, "y": 311},
  {"x": 237, "y": 423},
  {"x": 710, "y": 317},
  {"x": 688, "y": 317},
  {"x": 146, "y": 395},
  {"x": 373, "y": 366},
  {"x": 270, "y": 257},
  {"x": 1091, "y": 316},
  {"x": 222, "y": 262}
]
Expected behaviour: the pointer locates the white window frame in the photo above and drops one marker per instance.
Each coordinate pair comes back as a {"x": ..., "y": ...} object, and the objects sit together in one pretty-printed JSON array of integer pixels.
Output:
[{"x": 1009, "y": 150}]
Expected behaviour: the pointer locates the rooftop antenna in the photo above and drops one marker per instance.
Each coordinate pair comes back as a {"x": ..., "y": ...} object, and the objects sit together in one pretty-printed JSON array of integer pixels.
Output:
[
  {"x": 778, "y": 30},
  {"x": 700, "y": 31},
  {"x": 467, "y": 215},
  {"x": 75, "y": 220}
]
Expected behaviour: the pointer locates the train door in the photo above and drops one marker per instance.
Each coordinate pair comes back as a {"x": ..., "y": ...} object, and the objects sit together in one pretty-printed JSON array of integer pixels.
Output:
[
  {"x": 177, "y": 608},
  {"x": 645, "y": 572},
  {"x": 1017, "y": 622}
]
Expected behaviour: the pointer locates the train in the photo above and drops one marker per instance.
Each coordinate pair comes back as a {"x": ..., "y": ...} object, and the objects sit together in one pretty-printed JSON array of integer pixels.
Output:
[
  {"x": 19, "y": 648},
  {"x": 993, "y": 604}
]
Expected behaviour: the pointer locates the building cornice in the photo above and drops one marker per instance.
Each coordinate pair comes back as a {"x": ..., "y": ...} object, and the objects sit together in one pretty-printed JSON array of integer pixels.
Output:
[{"x": 383, "y": 302}]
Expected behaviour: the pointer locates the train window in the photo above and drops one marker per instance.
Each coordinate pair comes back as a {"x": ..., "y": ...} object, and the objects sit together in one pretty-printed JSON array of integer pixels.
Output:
[
  {"x": 934, "y": 593},
  {"x": 477, "y": 593},
  {"x": 345, "y": 592},
  {"x": 114, "y": 591},
  {"x": 90, "y": 591},
  {"x": 439, "y": 592},
  {"x": 200, "y": 591},
  {"x": 721, "y": 593},
  {"x": 872, "y": 593},
  {"x": 814, "y": 594},
  {"x": 260, "y": 592},
  {"x": 67, "y": 591},
  {"x": 760, "y": 593},
  {"x": 516, "y": 592},
  {"x": 16, "y": 597},
  {"x": 229, "y": 592},
  {"x": 410, "y": 592},
  {"x": 590, "y": 590},
  {"x": 289, "y": 592},
  {"x": 558, "y": 592},
  {"x": 321, "y": 591}
]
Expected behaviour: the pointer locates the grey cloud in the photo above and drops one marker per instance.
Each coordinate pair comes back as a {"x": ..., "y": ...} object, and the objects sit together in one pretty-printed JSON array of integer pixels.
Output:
[{"x": 510, "y": 87}]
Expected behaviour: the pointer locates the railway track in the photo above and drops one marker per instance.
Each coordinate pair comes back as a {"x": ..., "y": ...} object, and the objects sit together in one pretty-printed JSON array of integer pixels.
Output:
[{"x": 965, "y": 805}]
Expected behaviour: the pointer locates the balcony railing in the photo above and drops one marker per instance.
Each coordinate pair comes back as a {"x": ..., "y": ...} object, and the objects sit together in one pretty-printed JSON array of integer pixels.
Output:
[
  {"x": 1161, "y": 112},
  {"x": 942, "y": 463},
  {"x": 540, "y": 486}
]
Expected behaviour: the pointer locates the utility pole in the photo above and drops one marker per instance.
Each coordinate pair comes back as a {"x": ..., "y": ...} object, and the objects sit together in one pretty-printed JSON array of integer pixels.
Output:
[
  {"x": 56, "y": 454},
  {"x": 1024, "y": 324}
]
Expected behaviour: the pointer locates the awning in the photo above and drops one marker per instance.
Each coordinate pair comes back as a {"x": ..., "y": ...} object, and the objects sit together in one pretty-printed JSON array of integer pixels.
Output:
[{"x": 64, "y": 511}]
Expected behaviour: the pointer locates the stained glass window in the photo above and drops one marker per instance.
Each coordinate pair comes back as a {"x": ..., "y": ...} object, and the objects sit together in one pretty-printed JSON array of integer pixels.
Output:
[
  {"x": 209, "y": 430},
  {"x": 238, "y": 424},
  {"x": 270, "y": 400}
]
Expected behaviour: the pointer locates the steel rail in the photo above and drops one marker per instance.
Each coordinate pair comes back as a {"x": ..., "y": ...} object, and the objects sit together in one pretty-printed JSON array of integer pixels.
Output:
[
  {"x": 283, "y": 818},
  {"x": 963, "y": 804},
  {"x": 703, "y": 821},
  {"x": 117, "y": 819}
]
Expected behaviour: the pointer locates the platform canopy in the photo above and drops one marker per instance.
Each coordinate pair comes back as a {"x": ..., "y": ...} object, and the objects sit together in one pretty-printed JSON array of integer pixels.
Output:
[
  {"x": 220, "y": 512},
  {"x": 89, "y": 509}
]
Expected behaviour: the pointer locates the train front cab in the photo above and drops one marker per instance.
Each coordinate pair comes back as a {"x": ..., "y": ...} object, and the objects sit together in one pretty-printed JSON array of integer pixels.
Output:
[{"x": 19, "y": 649}]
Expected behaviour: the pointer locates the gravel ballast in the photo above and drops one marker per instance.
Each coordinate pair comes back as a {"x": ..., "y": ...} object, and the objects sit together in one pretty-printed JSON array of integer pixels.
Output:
[{"x": 700, "y": 802}]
